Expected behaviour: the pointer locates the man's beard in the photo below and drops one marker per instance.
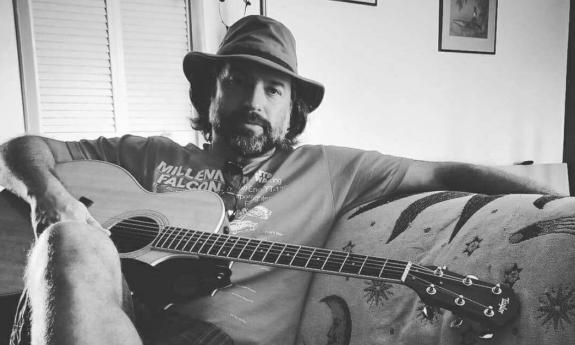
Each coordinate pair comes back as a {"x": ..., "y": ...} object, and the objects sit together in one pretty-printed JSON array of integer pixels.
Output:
[{"x": 243, "y": 140}]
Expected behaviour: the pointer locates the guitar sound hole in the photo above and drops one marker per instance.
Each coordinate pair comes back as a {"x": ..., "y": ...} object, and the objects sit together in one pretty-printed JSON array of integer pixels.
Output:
[{"x": 134, "y": 233}]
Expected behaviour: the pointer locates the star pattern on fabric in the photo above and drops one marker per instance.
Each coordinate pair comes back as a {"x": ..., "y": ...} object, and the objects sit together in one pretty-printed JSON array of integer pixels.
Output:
[
  {"x": 376, "y": 292},
  {"x": 557, "y": 306},
  {"x": 348, "y": 248},
  {"x": 433, "y": 313},
  {"x": 472, "y": 246},
  {"x": 512, "y": 275}
]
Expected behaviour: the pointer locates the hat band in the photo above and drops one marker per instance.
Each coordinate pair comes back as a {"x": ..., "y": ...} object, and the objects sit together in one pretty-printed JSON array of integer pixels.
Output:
[{"x": 259, "y": 53}]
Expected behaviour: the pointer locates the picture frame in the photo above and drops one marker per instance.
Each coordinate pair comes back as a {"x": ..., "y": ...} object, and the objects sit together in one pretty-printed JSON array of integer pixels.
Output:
[
  {"x": 468, "y": 26},
  {"x": 360, "y": 2}
]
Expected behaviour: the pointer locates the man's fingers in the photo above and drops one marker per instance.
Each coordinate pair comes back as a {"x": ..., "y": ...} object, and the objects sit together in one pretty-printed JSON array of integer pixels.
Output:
[{"x": 90, "y": 220}]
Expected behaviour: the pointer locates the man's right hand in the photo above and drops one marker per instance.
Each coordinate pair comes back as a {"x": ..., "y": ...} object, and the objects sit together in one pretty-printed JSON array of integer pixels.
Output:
[
  {"x": 60, "y": 206},
  {"x": 27, "y": 169}
]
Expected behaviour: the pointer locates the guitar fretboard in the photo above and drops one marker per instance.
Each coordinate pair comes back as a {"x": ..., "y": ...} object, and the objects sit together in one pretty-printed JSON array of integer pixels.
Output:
[{"x": 215, "y": 245}]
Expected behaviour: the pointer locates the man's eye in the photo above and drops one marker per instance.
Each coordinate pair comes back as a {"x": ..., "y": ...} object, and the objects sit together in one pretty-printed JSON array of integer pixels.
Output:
[
  {"x": 233, "y": 80},
  {"x": 274, "y": 91}
]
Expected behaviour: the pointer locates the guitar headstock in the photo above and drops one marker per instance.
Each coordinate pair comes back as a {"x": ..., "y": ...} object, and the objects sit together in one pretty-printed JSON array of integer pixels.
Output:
[{"x": 492, "y": 305}]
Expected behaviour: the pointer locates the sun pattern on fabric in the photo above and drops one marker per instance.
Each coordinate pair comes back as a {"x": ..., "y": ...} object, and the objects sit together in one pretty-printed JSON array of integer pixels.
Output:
[
  {"x": 557, "y": 307},
  {"x": 376, "y": 292},
  {"x": 473, "y": 245}
]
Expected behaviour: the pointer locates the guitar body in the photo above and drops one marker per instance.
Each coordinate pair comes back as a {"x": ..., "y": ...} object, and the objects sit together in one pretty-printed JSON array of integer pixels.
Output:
[{"x": 135, "y": 217}]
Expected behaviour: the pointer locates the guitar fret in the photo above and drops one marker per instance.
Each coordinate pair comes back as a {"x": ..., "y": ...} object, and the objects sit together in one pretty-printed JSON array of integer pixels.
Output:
[
  {"x": 182, "y": 241},
  {"x": 161, "y": 237},
  {"x": 217, "y": 246},
  {"x": 200, "y": 243},
  {"x": 395, "y": 273},
  {"x": 335, "y": 262},
  {"x": 261, "y": 251},
  {"x": 248, "y": 251},
  {"x": 370, "y": 267},
  {"x": 175, "y": 237},
  {"x": 212, "y": 241},
  {"x": 343, "y": 263},
  {"x": 326, "y": 259},
  {"x": 192, "y": 241},
  {"x": 382, "y": 269},
  {"x": 238, "y": 248},
  {"x": 274, "y": 253},
  {"x": 281, "y": 253},
  {"x": 271, "y": 256},
  {"x": 302, "y": 258},
  {"x": 222, "y": 250},
  {"x": 307, "y": 262},
  {"x": 295, "y": 255},
  {"x": 362, "y": 264},
  {"x": 351, "y": 264},
  {"x": 318, "y": 259},
  {"x": 288, "y": 255}
]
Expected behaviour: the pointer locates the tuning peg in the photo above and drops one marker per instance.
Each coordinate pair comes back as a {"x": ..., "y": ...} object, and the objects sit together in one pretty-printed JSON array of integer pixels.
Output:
[
  {"x": 468, "y": 281},
  {"x": 439, "y": 271},
  {"x": 496, "y": 289},
  {"x": 424, "y": 311},
  {"x": 456, "y": 323}
]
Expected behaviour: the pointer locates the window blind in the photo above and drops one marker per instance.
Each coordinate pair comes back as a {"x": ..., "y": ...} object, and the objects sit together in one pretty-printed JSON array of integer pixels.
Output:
[
  {"x": 155, "y": 40},
  {"x": 73, "y": 66},
  {"x": 108, "y": 67}
]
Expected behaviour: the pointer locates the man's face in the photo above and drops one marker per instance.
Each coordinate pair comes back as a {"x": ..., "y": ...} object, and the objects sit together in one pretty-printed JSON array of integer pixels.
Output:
[{"x": 251, "y": 108}]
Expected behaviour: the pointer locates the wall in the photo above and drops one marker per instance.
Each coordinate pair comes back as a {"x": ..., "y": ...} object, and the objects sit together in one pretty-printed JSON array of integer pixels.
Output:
[
  {"x": 12, "y": 114},
  {"x": 389, "y": 89}
]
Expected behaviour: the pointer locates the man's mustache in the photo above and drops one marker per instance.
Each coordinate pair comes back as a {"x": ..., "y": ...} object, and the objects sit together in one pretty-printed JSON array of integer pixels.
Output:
[{"x": 251, "y": 118}]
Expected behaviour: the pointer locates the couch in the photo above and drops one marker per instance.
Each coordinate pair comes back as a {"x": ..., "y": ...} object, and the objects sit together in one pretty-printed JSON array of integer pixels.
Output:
[{"x": 523, "y": 242}]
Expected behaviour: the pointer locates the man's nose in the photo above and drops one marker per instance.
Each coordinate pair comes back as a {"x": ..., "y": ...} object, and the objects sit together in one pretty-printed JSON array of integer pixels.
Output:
[{"x": 255, "y": 97}]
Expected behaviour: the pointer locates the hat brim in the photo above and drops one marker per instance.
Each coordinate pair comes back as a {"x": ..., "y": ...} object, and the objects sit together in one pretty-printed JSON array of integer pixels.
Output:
[{"x": 199, "y": 67}]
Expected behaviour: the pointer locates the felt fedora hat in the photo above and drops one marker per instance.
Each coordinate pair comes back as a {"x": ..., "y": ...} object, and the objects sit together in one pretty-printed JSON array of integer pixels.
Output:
[{"x": 253, "y": 38}]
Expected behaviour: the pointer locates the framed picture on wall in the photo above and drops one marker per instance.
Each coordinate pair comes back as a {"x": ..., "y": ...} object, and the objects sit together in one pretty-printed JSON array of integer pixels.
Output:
[
  {"x": 467, "y": 26},
  {"x": 361, "y": 2}
]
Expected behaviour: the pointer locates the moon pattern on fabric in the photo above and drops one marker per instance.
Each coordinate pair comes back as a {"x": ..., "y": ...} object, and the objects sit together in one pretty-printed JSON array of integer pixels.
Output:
[{"x": 340, "y": 331}]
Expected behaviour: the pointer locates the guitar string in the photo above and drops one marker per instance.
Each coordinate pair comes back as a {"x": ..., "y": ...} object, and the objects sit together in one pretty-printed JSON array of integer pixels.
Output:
[{"x": 366, "y": 260}]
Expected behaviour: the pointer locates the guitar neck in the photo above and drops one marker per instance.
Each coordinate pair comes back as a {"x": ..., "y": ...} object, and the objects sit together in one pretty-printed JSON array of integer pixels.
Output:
[{"x": 221, "y": 246}]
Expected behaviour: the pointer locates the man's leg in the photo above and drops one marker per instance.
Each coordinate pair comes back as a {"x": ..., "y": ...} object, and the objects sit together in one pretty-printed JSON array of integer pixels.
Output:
[{"x": 75, "y": 287}]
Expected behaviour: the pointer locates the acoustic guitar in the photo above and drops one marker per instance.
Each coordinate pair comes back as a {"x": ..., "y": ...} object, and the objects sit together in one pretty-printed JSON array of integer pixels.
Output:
[{"x": 177, "y": 246}]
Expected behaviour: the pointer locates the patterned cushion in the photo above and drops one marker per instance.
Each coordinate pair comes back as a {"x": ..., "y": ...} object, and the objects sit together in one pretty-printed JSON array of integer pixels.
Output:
[{"x": 526, "y": 242}]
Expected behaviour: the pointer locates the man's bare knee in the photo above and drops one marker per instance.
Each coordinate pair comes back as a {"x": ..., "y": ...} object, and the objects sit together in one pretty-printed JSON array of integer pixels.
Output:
[{"x": 76, "y": 250}]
